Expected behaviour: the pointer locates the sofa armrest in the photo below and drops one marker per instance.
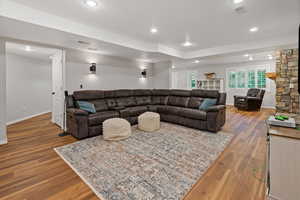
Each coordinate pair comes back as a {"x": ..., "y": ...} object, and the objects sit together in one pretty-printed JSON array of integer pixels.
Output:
[
  {"x": 216, "y": 108},
  {"x": 216, "y": 117},
  {"x": 254, "y": 98},
  {"x": 77, "y": 123},
  {"x": 76, "y": 111}
]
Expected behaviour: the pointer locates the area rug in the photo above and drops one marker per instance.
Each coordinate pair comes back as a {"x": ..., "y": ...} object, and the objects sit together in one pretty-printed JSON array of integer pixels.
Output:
[{"x": 163, "y": 165}]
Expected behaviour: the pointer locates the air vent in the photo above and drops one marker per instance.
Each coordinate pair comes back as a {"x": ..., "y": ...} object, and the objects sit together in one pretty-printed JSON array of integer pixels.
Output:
[
  {"x": 240, "y": 10},
  {"x": 83, "y": 42},
  {"x": 92, "y": 49}
]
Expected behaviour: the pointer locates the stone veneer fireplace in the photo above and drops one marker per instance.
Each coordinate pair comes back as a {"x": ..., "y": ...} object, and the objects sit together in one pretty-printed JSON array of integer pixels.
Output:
[{"x": 287, "y": 96}]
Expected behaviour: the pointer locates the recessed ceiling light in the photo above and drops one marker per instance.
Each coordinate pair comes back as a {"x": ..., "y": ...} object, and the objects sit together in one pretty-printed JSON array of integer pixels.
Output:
[
  {"x": 237, "y": 1},
  {"x": 197, "y": 61},
  {"x": 173, "y": 67},
  {"x": 153, "y": 30},
  {"x": 246, "y": 55},
  {"x": 91, "y": 3},
  {"x": 253, "y": 29},
  {"x": 28, "y": 48},
  {"x": 250, "y": 58},
  {"x": 187, "y": 44}
]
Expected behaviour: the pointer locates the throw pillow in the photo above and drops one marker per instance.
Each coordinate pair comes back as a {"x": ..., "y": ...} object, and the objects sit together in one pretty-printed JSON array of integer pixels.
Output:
[
  {"x": 84, "y": 105},
  {"x": 207, "y": 103}
]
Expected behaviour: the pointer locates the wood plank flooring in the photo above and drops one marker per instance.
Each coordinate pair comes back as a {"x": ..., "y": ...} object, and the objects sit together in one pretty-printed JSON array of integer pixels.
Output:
[{"x": 30, "y": 169}]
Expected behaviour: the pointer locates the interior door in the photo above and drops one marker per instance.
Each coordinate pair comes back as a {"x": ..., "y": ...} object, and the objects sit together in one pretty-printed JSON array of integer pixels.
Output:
[{"x": 58, "y": 87}]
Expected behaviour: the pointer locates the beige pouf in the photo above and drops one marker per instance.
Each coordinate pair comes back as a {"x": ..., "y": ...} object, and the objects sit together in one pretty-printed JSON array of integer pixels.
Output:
[
  {"x": 149, "y": 121},
  {"x": 116, "y": 129}
]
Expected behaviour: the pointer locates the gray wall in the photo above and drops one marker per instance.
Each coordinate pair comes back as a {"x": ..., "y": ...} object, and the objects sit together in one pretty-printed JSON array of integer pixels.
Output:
[
  {"x": 3, "y": 138},
  {"x": 29, "y": 86},
  {"x": 220, "y": 70},
  {"x": 161, "y": 75},
  {"x": 107, "y": 77}
]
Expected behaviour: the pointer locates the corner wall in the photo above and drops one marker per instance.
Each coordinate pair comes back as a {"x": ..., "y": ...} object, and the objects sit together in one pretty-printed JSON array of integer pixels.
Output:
[{"x": 29, "y": 87}]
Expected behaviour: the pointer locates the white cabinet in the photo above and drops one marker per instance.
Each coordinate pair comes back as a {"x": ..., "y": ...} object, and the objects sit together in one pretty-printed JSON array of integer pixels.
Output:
[
  {"x": 211, "y": 84},
  {"x": 284, "y": 168}
]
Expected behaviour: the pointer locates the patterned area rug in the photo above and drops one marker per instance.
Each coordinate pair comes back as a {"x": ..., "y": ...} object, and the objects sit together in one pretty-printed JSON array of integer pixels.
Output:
[{"x": 163, "y": 165}]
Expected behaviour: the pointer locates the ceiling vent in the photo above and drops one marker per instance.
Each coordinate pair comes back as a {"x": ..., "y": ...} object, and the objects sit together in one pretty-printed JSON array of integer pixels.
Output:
[
  {"x": 240, "y": 9},
  {"x": 83, "y": 42}
]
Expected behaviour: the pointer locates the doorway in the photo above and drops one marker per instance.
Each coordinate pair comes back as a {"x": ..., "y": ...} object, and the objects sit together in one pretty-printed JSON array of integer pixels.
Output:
[{"x": 35, "y": 82}]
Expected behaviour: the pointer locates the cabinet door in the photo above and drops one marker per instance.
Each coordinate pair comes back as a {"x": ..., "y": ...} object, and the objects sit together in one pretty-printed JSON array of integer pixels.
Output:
[{"x": 284, "y": 168}]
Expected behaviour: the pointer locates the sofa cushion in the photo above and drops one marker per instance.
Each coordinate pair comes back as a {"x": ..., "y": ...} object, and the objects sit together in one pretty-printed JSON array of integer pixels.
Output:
[
  {"x": 111, "y": 103},
  {"x": 154, "y": 108},
  {"x": 181, "y": 93},
  {"x": 192, "y": 113},
  {"x": 159, "y": 100},
  {"x": 143, "y": 100},
  {"x": 170, "y": 110},
  {"x": 126, "y": 101},
  {"x": 178, "y": 101},
  {"x": 205, "y": 93},
  {"x": 142, "y": 92},
  {"x": 207, "y": 103},
  {"x": 161, "y": 92},
  {"x": 88, "y": 95},
  {"x": 100, "y": 105},
  {"x": 133, "y": 111},
  {"x": 195, "y": 102},
  {"x": 123, "y": 93},
  {"x": 86, "y": 106},
  {"x": 109, "y": 94},
  {"x": 99, "y": 117}
]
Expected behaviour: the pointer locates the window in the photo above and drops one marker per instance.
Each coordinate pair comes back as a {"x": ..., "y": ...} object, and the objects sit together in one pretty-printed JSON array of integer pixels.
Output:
[
  {"x": 261, "y": 78},
  {"x": 251, "y": 79},
  {"x": 241, "y": 79},
  {"x": 193, "y": 80},
  {"x": 255, "y": 77},
  {"x": 232, "y": 80}
]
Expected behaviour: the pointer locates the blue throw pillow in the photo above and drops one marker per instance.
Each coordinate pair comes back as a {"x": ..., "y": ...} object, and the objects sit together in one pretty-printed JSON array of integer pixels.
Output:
[
  {"x": 84, "y": 105},
  {"x": 207, "y": 103}
]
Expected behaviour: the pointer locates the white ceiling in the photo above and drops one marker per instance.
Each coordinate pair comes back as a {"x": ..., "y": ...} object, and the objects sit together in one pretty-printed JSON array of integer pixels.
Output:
[
  {"x": 208, "y": 23},
  {"x": 121, "y": 28}
]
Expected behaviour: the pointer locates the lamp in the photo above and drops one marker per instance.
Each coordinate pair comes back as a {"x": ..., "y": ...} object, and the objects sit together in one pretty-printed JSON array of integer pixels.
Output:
[{"x": 93, "y": 68}]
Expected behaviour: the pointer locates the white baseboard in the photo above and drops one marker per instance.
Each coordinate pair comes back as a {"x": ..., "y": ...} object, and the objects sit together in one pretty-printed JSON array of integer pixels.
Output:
[
  {"x": 24, "y": 118},
  {"x": 3, "y": 142}
]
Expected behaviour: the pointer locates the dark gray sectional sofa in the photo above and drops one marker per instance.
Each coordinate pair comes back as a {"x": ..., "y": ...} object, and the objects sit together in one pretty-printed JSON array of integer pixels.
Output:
[{"x": 175, "y": 106}]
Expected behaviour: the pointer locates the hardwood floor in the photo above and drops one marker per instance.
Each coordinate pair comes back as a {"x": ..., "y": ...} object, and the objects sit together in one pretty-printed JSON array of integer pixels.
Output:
[{"x": 30, "y": 169}]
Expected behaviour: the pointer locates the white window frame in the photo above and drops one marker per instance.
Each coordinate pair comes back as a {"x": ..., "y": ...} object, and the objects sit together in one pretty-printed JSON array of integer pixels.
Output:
[{"x": 245, "y": 69}]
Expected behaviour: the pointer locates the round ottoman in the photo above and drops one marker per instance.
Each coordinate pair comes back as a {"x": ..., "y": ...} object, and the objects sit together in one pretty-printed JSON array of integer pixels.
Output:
[
  {"x": 116, "y": 129},
  {"x": 149, "y": 121}
]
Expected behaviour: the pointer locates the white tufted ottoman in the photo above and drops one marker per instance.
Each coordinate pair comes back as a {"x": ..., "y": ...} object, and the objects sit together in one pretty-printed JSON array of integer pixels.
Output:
[
  {"x": 149, "y": 121},
  {"x": 116, "y": 129}
]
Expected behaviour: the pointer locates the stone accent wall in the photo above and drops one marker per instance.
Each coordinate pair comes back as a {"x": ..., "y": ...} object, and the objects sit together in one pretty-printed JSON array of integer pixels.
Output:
[{"x": 287, "y": 97}]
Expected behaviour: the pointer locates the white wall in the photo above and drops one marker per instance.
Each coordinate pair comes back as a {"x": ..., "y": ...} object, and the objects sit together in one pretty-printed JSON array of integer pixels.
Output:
[
  {"x": 161, "y": 75},
  {"x": 3, "y": 138},
  {"x": 29, "y": 87},
  {"x": 107, "y": 77},
  {"x": 220, "y": 70}
]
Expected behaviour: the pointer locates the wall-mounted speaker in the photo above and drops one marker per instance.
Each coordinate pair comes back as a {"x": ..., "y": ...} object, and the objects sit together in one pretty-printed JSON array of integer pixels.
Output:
[
  {"x": 93, "y": 68},
  {"x": 144, "y": 73}
]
